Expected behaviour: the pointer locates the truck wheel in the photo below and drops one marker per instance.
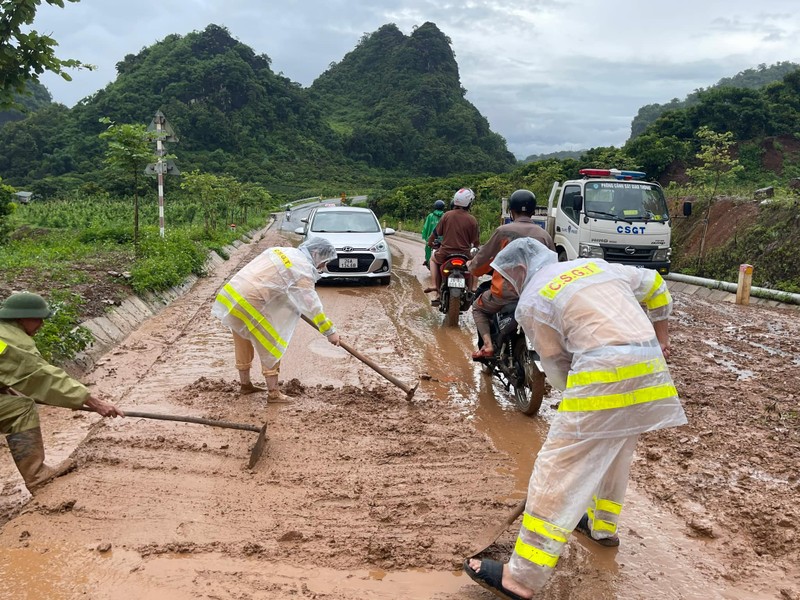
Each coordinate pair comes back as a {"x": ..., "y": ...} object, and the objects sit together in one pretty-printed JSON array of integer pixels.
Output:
[{"x": 562, "y": 255}]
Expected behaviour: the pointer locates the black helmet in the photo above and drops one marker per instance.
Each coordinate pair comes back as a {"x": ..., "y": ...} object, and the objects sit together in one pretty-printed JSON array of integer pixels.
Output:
[
  {"x": 438, "y": 205},
  {"x": 522, "y": 202}
]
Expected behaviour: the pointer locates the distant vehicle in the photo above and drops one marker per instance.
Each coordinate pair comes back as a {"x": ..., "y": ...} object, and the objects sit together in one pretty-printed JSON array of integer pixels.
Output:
[
  {"x": 329, "y": 204},
  {"x": 613, "y": 215},
  {"x": 361, "y": 249}
]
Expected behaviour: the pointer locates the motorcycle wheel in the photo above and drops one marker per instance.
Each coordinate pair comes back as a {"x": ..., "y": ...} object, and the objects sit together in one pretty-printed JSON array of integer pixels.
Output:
[
  {"x": 529, "y": 395},
  {"x": 453, "y": 309}
]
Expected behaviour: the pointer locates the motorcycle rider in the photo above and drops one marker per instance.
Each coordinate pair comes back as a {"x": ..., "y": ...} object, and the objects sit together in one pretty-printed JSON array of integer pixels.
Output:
[
  {"x": 431, "y": 221},
  {"x": 521, "y": 205},
  {"x": 458, "y": 231}
]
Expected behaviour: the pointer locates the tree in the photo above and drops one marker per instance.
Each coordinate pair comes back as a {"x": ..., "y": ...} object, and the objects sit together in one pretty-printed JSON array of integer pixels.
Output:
[
  {"x": 716, "y": 167},
  {"x": 25, "y": 56},
  {"x": 130, "y": 149},
  {"x": 204, "y": 188},
  {"x": 6, "y": 208}
]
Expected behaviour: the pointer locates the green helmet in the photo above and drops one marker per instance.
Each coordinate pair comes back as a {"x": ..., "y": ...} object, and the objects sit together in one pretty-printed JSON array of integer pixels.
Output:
[{"x": 25, "y": 305}]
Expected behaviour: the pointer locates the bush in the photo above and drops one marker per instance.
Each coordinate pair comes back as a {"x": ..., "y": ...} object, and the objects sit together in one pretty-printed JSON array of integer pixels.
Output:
[
  {"x": 166, "y": 262},
  {"x": 59, "y": 339}
]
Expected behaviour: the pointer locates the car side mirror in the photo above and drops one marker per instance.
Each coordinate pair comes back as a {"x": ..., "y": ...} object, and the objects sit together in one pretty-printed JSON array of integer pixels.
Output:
[
  {"x": 687, "y": 209},
  {"x": 300, "y": 230},
  {"x": 388, "y": 231},
  {"x": 577, "y": 203}
]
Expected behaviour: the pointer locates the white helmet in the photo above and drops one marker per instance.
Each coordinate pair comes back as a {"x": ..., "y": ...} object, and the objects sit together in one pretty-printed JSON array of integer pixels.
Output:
[{"x": 463, "y": 197}]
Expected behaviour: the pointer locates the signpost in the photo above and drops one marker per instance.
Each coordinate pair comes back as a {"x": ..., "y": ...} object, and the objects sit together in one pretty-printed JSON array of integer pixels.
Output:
[{"x": 165, "y": 133}]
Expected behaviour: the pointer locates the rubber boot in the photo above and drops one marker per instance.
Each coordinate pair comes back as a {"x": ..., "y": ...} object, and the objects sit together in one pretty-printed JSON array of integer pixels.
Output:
[
  {"x": 275, "y": 394},
  {"x": 27, "y": 450}
]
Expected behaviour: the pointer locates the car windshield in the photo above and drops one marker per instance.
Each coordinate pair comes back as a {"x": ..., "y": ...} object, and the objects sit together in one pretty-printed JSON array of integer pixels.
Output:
[
  {"x": 345, "y": 222},
  {"x": 625, "y": 201}
]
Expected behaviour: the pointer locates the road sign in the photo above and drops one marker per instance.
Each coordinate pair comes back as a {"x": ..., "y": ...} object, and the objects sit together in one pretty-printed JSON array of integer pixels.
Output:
[
  {"x": 166, "y": 167},
  {"x": 160, "y": 124}
]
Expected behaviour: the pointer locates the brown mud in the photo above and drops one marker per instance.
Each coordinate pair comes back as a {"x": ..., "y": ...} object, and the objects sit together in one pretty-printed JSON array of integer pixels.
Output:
[{"x": 363, "y": 495}]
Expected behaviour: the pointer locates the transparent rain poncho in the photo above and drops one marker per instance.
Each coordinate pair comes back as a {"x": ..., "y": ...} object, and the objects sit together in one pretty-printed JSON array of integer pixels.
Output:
[
  {"x": 264, "y": 301},
  {"x": 585, "y": 319}
]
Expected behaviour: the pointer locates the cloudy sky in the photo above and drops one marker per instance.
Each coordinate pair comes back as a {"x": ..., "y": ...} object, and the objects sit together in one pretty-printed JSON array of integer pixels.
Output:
[{"x": 548, "y": 74}]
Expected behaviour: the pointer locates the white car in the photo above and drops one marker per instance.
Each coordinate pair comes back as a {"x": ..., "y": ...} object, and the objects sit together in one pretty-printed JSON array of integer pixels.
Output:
[{"x": 355, "y": 232}]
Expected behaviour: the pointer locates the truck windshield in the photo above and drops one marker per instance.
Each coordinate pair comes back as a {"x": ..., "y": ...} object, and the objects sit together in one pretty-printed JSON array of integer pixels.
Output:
[{"x": 625, "y": 201}]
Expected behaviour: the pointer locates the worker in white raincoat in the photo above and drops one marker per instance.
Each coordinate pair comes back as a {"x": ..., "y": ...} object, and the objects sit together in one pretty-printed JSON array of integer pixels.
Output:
[
  {"x": 608, "y": 355},
  {"x": 262, "y": 303}
]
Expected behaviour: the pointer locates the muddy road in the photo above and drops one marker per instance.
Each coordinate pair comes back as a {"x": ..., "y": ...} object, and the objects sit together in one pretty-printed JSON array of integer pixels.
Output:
[{"x": 363, "y": 495}]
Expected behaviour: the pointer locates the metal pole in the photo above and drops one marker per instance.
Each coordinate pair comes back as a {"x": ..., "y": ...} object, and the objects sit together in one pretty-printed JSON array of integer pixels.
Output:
[{"x": 160, "y": 173}]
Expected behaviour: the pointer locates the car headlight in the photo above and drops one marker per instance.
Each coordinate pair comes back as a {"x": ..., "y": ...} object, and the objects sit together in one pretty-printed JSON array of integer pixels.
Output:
[
  {"x": 590, "y": 251},
  {"x": 662, "y": 254},
  {"x": 379, "y": 247}
]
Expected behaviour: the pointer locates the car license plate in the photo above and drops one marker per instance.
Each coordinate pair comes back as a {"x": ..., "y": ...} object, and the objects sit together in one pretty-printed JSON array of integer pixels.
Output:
[
  {"x": 348, "y": 263},
  {"x": 456, "y": 282}
]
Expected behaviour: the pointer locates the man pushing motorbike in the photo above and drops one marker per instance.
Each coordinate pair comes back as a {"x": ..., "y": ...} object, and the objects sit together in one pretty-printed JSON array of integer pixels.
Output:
[
  {"x": 608, "y": 355},
  {"x": 521, "y": 205}
]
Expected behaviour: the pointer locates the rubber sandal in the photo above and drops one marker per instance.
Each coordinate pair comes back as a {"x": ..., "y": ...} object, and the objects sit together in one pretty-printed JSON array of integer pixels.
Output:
[
  {"x": 482, "y": 353},
  {"x": 583, "y": 528},
  {"x": 429, "y": 290},
  {"x": 436, "y": 302},
  {"x": 490, "y": 577}
]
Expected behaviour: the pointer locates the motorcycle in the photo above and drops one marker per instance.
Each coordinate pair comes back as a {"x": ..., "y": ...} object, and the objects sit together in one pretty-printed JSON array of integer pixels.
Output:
[
  {"x": 455, "y": 291},
  {"x": 515, "y": 363}
]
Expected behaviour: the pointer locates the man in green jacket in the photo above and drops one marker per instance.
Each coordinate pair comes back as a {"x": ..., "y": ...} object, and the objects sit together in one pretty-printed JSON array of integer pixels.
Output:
[
  {"x": 431, "y": 221},
  {"x": 26, "y": 378}
]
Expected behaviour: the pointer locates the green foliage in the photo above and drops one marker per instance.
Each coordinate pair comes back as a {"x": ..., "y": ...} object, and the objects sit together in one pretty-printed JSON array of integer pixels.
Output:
[
  {"x": 35, "y": 97},
  {"x": 24, "y": 53},
  {"x": 6, "y": 208},
  {"x": 166, "y": 262},
  {"x": 749, "y": 79},
  {"x": 59, "y": 338},
  {"x": 130, "y": 149}
]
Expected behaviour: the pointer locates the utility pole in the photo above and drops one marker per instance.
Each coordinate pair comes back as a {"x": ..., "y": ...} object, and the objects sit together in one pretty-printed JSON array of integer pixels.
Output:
[{"x": 164, "y": 133}]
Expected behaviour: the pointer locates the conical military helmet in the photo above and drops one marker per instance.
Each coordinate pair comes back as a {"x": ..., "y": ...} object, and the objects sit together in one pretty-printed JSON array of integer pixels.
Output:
[{"x": 25, "y": 305}]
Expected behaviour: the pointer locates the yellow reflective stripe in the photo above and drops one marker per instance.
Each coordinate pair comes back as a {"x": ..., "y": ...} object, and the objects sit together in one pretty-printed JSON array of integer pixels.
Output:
[
  {"x": 656, "y": 284},
  {"x": 544, "y": 528},
  {"x": 286, "y": 262},
  {"x": 560, "y": 281},
  {"x": 322, "y": 322},
  {"x": 276, "y": 352},
  {"x": 656, "y": 365},
  {"x": 3, "y": 346},
  {"x": 599, "y": 524},
  {"x": 640, "y": 396},
  {"x": 608, "y": 506},
  {"x": 535, "y": 555},
  {"x": 652, "y": 302},
  {"x": 659, "y": 301},
  {"x": 257, "y": 316}
]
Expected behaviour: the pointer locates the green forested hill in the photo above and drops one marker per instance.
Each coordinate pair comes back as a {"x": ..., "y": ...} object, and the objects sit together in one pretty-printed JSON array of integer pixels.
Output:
[
  {"x": 36, "y": 98},
  {"x": 397, "y": 101},
  {"x": 393, "y": 107},
  {"x": 749, "y": 79}
]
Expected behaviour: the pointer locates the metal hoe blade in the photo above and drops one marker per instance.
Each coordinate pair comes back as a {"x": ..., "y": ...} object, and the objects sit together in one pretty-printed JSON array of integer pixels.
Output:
[
  {"x": 489, "y": 535},
  {"x": 258, "y": 449}
]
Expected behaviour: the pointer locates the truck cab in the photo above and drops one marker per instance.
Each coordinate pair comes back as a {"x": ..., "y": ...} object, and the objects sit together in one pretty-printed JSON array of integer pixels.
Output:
[{"x": 613, "y": 215}]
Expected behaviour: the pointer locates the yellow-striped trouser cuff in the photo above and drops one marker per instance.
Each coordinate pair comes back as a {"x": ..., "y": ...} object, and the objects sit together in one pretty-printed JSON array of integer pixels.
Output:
[
  {"x": 544, "y": 528},
  {"x": 535, "y": 555},
  {"x": 640, "y": 396}
]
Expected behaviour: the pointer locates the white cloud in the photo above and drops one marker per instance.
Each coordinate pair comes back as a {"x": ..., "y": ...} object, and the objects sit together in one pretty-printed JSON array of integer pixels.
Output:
[{"x": 548, "y": 74}]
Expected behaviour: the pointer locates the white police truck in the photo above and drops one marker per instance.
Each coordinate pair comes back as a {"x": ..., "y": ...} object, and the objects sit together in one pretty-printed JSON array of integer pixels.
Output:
[{"x": 610, "y": 214}]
